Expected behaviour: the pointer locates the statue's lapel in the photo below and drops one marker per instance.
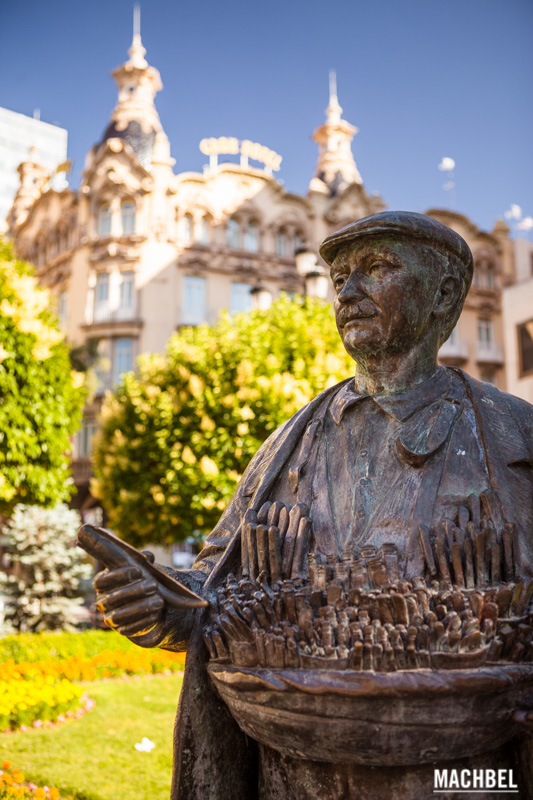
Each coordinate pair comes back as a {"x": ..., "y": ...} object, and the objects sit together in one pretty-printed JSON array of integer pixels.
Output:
[
  {"x": 425, "y": 432},
  {"x": 509, "y": 456}
]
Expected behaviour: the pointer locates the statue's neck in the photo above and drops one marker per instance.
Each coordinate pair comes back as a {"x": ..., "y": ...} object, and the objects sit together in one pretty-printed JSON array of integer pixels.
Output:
[{"x": 397, "y": 372}]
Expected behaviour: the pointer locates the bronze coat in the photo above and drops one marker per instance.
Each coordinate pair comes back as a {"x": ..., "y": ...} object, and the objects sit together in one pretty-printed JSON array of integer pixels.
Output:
[{"x": 213, "y": 759}]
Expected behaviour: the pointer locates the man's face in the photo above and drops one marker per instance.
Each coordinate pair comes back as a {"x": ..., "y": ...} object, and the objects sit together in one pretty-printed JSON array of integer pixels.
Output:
[{"x": 385, "y": 291}]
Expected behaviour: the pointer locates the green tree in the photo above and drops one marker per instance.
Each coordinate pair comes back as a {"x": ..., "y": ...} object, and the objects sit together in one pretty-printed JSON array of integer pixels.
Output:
[
  {"x": 42, "y": 587},
  {"x": 40, "y": 399},
  {"x": 176, "y": 438}
]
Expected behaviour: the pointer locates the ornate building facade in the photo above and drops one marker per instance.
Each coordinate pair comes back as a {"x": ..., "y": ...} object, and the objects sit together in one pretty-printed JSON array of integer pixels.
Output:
[{"x": 139, "y": 251}]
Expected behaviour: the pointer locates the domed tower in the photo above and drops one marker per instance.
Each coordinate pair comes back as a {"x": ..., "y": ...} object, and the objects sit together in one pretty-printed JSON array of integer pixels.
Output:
[
  {"x": 135, "y": 118},
  {"x": 336, "y": 168},
  {"x": 33, "y": 177}
]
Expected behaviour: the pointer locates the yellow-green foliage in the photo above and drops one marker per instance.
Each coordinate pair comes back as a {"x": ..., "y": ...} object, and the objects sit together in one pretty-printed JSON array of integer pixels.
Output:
[
  {"x": 40, "y": 398},
  {"x": 176, "y": 439}
]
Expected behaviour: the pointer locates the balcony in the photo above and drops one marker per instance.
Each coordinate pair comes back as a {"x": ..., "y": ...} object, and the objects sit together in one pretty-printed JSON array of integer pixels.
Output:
[
  {"x": 81, "y": 470},
  {"x": 454, "y": 351},
  {"x": 103, "y": 313},
  {"x": 105, "y": 383},
  {"x": 489, "y": 353}
]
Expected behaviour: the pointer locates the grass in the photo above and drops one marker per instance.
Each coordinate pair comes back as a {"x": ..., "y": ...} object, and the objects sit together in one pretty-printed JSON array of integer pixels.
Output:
[{"x": 94, "y": 758}]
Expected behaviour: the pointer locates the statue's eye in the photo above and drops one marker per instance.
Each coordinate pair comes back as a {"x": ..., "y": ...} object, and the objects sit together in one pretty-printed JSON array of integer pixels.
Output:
[
  {"x": 339, "y": 281},
  {"x": 377, "y": 265}
]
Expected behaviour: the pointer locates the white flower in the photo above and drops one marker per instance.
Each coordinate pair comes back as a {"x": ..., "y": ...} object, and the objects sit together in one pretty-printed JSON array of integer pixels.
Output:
[{"x": 145, "y": 746}]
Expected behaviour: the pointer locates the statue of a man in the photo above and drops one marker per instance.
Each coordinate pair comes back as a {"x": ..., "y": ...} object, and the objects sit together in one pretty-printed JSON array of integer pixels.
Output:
[{"x": 402, "y": 447}]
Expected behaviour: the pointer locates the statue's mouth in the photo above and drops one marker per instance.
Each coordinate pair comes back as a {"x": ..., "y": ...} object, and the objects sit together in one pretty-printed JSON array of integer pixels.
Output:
[{"x": 365, "y": 310}]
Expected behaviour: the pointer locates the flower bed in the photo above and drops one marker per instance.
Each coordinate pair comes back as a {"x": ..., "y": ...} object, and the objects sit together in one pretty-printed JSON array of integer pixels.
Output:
[
  {"x": 42, "y": 690},
  {"x": 24, "y": 700},
  {"x": 64, "y": 645},
  {"x": 13, "y": 784}
]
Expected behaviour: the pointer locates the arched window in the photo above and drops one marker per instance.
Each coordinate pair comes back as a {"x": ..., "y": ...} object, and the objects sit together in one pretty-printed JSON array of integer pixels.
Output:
[
  {"x": 251, "y": 238},
  {"x": 101, "y": 298},
  {"x": 233, "y": 234},
  {"x": 127, "y": 295},
  {"x": 203, "y": 231},
  {"x": 185, "y": 229},
  {"x": 490, "y": 277},
  {"x": 128, "y": 217},
  {"x": 53, "y": 245},
  {"x": 62, "y": 309},
  {"x": 104, "y": 221},
  {"x": 298, "y": 242},
  {"x": 485, "y": 272},
  {"x": 281, "y": 243}
]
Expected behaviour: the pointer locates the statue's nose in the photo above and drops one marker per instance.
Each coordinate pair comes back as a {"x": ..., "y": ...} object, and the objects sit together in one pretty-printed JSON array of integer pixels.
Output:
[{"x": 351, "y": 291}]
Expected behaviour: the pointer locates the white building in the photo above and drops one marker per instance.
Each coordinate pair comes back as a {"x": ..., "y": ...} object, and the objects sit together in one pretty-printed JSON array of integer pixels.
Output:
[
  {"x": 518, "y": 324},
  {"x": 139, "y": 250},
  {"x": 21, "y": 138}
]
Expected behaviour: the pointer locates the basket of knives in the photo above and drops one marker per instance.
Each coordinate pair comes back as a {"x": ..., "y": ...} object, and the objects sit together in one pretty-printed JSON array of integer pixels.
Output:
[{"x": 394, "y": 669}]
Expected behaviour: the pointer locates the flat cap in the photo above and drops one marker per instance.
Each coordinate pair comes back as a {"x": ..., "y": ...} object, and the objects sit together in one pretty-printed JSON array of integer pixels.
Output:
[{"x": 424, "y": 229}]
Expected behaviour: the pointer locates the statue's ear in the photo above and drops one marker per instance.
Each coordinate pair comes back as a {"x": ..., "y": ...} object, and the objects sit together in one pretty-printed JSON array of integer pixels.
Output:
[{"x": 447, "y": 296}]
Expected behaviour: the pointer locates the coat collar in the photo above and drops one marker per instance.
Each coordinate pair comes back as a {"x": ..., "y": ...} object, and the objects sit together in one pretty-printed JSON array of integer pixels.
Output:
[{"x": 400, "y": 405}]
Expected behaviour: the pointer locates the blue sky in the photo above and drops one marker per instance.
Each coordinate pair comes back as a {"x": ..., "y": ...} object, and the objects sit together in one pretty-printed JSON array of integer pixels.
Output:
[{"x": 421, "y": 79}]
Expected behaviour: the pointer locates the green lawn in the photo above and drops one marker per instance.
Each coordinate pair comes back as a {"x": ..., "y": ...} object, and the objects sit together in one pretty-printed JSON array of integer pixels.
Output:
[{"x": 94, "y": 758}]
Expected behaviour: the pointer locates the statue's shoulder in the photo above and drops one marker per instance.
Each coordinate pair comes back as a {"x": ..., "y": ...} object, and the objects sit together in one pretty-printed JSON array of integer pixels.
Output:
[
  {"x": 276, "y": 449},
  {"x": 490, "y": 396},
  {"x": 314, "y": 408}
]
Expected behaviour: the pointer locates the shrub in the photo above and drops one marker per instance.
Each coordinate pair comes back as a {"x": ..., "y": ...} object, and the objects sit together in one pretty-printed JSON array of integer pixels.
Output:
[
  {"x": 176, "y": 439},
  {"x": 43, "y": 584}
]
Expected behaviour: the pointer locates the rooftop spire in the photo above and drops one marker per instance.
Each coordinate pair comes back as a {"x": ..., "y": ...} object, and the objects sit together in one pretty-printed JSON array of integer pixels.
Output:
[
  {"x": 336, "y": 167},
  {"x": 333, "y": 111},
  {"x": 137, "y": 52},
  {"x": 332, "y": 85},
  {"x": 135, "y": 118}
]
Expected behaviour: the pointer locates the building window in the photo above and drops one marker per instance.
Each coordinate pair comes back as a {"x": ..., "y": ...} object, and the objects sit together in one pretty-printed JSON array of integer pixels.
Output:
[
  {"x": 489, "y": 376},
  {"x": 203, "y": 231},
  {"x": 298, "y": 242},
  {"x": 485, "y": 276},
  {"x": 525, "y": 347},
  {"x": 104, "y": 221},
  {"x": 52, "y": 246},
  {"x": 251, "y": 238},
  {"x": 122, "y": 357},
  {"x": 241, "y": 297},
  {"x": 185, "y": 229},
  {"x": 62, "y": 309},
  {"x": 101, "y": 297},
  {"x": 84, "y": 439},
  {"x": 485, "y": 333},
  {"x": 103, "y": 365},
  {"x": 193, "y": 300},
  {"x": 281, "y": 243},
  {"x": 128, "y": 218},
  {"x": 233, "y": 234},
  {"x": 127, "y": 295},
  {"x": 452, "y": 338}
]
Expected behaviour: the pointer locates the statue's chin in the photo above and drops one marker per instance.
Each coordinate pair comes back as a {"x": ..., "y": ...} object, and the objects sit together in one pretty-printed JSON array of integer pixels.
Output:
[{"x": 358, "y": 345}]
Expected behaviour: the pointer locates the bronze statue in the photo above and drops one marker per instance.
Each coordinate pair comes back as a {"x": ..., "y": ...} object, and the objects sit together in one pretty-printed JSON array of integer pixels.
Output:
[{"x": 370, "y": 584}]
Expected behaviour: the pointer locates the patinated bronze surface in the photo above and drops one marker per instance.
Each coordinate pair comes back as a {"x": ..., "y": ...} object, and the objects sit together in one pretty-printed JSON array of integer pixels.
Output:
[{"x": 369, "y": 585}]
